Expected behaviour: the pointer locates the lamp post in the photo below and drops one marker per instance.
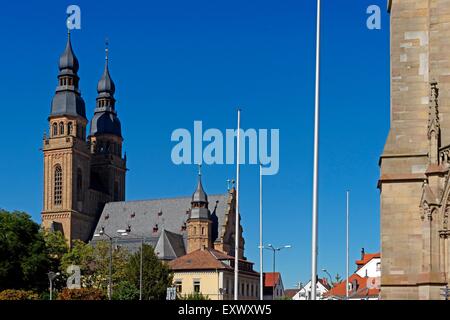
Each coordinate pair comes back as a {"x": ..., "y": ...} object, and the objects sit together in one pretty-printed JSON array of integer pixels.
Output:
[
  {"x": 329, "y": 276},
  {"x": 274, "y": 250},
  {"x": 52, "y": 276}
]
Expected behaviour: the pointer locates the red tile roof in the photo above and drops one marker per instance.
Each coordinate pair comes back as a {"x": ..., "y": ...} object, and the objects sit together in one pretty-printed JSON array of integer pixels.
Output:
[
  {"x": 201, "y": 260},
  {"x": 362, "y": 292},
  {"x": 290, "y": 293},
  {"x": 366, "y": 258},
  {"x": 271, "y": 279}
]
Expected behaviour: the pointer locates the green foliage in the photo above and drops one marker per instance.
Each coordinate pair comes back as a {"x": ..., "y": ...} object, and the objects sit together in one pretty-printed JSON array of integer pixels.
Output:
[
  {"x": 81, "y": 294},
  {"x": 156, "y": 275},
  {"x": 194, "y": 296},
  {"x": 56, "y": 247},
  {"x": 94, "y": 263},
  {"x": 12, "y": 294},
  {"x": 125, "y": 290},
  {"x": 23, "y": 255}
]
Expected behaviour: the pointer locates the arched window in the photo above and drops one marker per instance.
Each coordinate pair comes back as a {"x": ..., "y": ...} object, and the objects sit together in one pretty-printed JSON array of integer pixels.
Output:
[
  {"x": 61, "y": 128},
  {"x": 69, "y": 128},
  {"x": 55, "y": 129},
  {"x": 79, "y": 185},
  {"x": 58, "y": 185}
]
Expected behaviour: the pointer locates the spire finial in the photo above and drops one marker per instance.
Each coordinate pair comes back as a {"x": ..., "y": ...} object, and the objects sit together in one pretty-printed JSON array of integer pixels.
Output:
[
  {"x": 106, "y": 48},
  {"x": 199, "y": 170},
  {"x": 67, "y": 26}
]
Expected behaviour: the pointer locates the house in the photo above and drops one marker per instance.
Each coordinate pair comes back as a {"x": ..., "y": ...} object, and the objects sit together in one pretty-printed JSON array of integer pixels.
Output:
[
  {"x": 322, "y": 287},
  {"x": 273, "y": 286},
  {"x": 364, "y": 284},
  {"x": 290, "y": 293},
  {"x": 211, "y": 273}
]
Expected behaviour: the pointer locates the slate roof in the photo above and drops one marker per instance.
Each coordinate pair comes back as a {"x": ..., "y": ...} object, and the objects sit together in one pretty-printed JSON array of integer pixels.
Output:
[{"x": 151, "y": 218}]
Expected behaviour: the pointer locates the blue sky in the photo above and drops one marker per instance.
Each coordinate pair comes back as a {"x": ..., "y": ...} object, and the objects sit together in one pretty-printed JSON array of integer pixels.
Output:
[{"x": 175, "y": 62}]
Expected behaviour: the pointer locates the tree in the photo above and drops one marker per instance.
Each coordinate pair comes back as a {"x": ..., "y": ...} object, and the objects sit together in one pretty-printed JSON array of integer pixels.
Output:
[
  {"x": 125, "y": 290},
  {"x": 338, "y": 278},
  {"x": 156, "y": 275},
  {"x": 56, "y": 247},
  {"x": 194, "y": 296},
  {"x": 94, "y": 263},
  {"x": 23, "y": 256}
]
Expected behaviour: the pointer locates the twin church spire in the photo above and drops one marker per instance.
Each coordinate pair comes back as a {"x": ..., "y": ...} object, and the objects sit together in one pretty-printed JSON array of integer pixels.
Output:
[{"x": 68, "y": 101}]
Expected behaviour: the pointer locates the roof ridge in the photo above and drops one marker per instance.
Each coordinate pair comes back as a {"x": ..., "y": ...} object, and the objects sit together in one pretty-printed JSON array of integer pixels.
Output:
[{"x": 167, "y": 198}]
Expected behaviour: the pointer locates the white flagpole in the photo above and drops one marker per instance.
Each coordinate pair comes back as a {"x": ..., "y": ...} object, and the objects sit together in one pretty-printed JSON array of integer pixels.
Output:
[
  {"x": 236, "y": 243},
  {"x": 316, "y": 164},
  {"x": 347, "y": 259},
  {"x": 261, "y": 270}
]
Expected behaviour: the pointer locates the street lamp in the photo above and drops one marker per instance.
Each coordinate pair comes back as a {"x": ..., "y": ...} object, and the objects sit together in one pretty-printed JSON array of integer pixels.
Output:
[
  {"x": 274, "y": 250},
  {"x": 52, "y": 276},
  {"x": 329, "y": 275}
]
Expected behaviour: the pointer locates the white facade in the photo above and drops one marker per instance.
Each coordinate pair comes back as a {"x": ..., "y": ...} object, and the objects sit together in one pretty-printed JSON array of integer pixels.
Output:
[
  {"x": 305, "y": 292},
  {"x": 372, "y": 269}
]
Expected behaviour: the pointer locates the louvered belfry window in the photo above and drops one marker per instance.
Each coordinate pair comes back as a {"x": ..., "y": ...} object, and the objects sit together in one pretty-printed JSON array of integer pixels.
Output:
[{"x": 58, "y": 185}]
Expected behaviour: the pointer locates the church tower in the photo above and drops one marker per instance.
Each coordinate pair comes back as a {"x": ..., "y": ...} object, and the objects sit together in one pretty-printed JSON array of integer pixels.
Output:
[
  {"x": 108, "y": 167},
  {"x": 199, "y": 222},
  {"x": 415, "y": 165},
  {"x": 67, "y": 156}
]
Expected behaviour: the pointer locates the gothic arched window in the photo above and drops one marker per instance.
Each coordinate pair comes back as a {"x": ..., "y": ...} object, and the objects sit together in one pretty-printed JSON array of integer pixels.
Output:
[
  {"x": 69, "y": 128},
  {"x": 58, "y": 185},
  {"x": 55, "y": 129},
  {"x": 79, "y": 185},
  {"x": 61, "y": 128}
]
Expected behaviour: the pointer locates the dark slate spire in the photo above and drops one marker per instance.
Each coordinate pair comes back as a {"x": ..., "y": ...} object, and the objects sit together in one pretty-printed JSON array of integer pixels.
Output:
[
  {"x": 67, "y": 100},
  {"x": 200, "y": 194},
  {"x": 105, "y": 120},
  {"x": 105, "y": 86},
  {"x": 68, "y": 61},
  {"x": 199, "y": 202}
]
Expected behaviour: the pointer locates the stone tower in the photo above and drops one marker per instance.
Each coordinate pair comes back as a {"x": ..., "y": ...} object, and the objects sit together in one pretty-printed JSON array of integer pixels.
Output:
[
  {"x": 414, "y": 181},
  {"x": 108, "y": 167},
  {"x": 199, "y": 223},
  {"x": 81, "y": 174},
  {"x": 67, "y": 155}
]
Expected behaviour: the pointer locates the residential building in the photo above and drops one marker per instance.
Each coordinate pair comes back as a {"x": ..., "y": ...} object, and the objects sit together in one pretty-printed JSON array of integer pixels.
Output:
[
  {"x": 273, "y": 286},
  {"x": 211, "y": 273},
  {"x": 364, "y": 284},
  {"x": 322, "y": 287}
]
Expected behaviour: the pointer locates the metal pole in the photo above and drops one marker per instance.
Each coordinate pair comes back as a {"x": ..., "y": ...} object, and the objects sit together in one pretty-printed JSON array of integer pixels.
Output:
[
  {"x": 51, "y": 289},
  {"x": 110, "y": 268},
  {"x": 316, "y": 163},
  {"x": 236, "y": 244},
  {"x": 140, "y": 270},
  {"x": 347, "y": 246},
  {"x": 261, "y": 275},
  {"x": 273, "y": 287}
]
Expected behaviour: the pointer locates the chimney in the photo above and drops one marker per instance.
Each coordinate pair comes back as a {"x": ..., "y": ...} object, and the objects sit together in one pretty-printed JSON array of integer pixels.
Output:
[{"x": 362, "y": 254}]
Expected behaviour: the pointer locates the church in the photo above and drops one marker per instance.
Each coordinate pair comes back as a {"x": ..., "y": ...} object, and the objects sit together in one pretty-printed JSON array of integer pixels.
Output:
[
  {"x": 84, "y": 182},
  {"x": 415, "y": 164}
]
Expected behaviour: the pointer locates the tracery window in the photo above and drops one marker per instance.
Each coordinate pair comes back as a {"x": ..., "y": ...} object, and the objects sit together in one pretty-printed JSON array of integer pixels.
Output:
[{"x": 58, "y": 185}]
